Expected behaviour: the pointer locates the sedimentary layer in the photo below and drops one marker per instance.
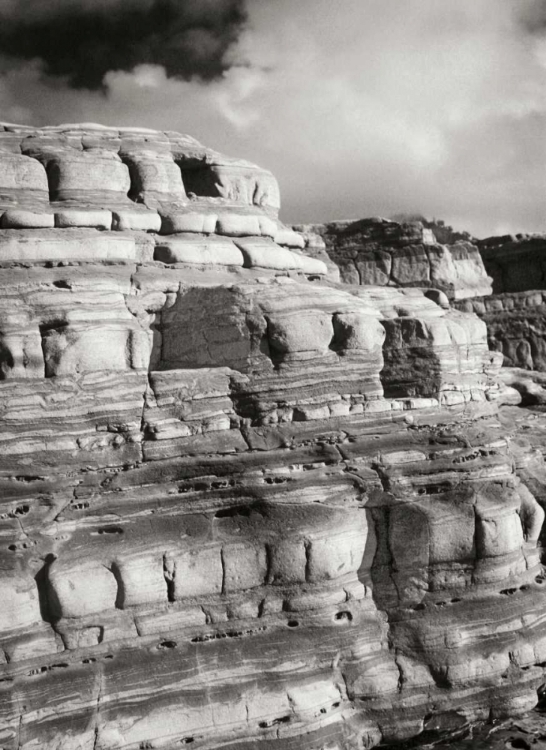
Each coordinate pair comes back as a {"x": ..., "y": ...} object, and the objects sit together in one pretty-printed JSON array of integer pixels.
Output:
[{"x": 242, "y": 505}]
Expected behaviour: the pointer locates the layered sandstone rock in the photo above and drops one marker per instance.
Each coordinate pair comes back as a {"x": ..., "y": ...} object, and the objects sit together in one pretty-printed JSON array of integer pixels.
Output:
[
  {"x": 516, "y": 326},
  {"x": 406, "y": 254},
  {"x": 515, "y": 313},
  {"x": 242, "y": 505}
]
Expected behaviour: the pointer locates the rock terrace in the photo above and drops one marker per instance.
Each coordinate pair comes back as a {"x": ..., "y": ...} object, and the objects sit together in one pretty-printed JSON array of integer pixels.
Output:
[{"x": 242, "y": 505}]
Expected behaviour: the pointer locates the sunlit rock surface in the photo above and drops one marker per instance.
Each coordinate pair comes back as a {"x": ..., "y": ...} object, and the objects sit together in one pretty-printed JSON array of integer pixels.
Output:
[{"x": 242, "y": 505}]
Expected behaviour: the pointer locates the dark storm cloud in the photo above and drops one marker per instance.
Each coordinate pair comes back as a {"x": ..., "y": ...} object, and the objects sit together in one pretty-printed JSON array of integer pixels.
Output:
[
  {"x": 533, "y": 16},
  {"x": 84, "y": 39}
]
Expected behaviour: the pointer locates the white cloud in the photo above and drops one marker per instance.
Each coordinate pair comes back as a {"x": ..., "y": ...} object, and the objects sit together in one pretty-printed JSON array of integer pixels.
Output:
[{"x": 361, "y": 108}]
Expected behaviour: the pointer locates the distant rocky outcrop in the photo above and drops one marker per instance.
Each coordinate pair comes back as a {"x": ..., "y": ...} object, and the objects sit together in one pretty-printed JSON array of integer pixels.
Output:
[
  {"x": 244, "y": 505},
  {"x": 515, "y": 313},
  {"x": 414, "y": 253}
]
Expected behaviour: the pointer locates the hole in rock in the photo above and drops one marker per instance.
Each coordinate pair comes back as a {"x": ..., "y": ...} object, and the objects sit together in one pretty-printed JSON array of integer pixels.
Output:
[
  {"x": 322, "y": 710},
  {"x": 292, "y": 623},
  {"x": 343, "y": 616},
  {"x": 468, "y": 457},
  {"x": 222, "y": 484},
  {"x": 108, "y": 656},
  {"x": 62, "y": 284},
  {"x": 199, "y": 180},
  {"x": 6, "y": 361},
  {"x": 540, "y": 580},
  {"x": 518, "y": 743},
  {"x": 107, "y": 530},
  {"x": 47, "y": 668},
  {"x": 36, "y": 671},
  {"x": 185, "y": 741},
  {"x": 167, "y": 644},
  {"x": 508, "y": 592},
  {"x": 525, "y": 587},
  {"x": 90, "y": 660},
  {"x": 236, "y": 510},
  {"x": 434, "y": 489},
  {"x": 206, "y": 637},
  {"x": 440, "y": 675},
  {"x": 20, "y": 510},
  {"x": 280, "y": 720},
  {"x": 337, "y": 704},
  {"x": 80, "y": 506},
  {"x": 51, "y": 333}
]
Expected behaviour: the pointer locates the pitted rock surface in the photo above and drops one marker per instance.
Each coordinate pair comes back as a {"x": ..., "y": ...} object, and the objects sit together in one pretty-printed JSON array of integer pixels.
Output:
[{"x": 242, "y": 505}]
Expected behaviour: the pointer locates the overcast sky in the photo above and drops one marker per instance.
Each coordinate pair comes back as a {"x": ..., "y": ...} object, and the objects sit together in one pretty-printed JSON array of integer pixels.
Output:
[{"x": 360, "y": 107}]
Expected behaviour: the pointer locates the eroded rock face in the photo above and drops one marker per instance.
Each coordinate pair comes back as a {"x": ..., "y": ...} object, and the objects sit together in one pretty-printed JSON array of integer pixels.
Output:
[
  {"x": 242, "y": 505},
  {"x": 515, "y": 312},
  {"x": 516, "y": 326},
  {"x": 409, "y": 254}
]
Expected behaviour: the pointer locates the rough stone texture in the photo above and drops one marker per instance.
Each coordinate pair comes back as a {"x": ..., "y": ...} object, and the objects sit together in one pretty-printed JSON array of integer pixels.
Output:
[
  {"x": 515, "y": 312},
  {"x": 516, "y": 326},
  {"x": 243, "y": 505},
  {"x": 406, "y": 254}
]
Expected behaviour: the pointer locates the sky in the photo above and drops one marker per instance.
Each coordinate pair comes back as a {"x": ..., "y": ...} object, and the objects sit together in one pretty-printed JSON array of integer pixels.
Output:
[{"x": 359, "y": 107}]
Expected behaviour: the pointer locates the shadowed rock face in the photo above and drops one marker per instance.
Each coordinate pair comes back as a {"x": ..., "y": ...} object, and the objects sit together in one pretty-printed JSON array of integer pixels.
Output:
[
  {"x": 241, "y": 504},
  {"x": 515, "y": 313}
]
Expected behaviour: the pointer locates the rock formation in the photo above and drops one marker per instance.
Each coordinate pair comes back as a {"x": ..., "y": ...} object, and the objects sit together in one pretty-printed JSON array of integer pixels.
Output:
[
  {"x": 403, "y": 254},
  {"x": 242, "y": 505},
  {"x": 515, "y": 313},
  {"x": 501, "y": 279}
]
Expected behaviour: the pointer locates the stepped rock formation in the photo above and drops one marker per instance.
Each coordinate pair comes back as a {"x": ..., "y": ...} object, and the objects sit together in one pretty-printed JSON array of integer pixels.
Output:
[
  {"x": 242, "y": 505},
  {"x": 402, "y": 254},
  {"x": 515, "y": 313},
  {"x": 501, "y": 279}
]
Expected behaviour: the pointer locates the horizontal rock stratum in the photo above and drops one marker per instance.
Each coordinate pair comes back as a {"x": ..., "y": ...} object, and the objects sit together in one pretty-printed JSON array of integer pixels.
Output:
[{"x": 242, "y": 505}]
